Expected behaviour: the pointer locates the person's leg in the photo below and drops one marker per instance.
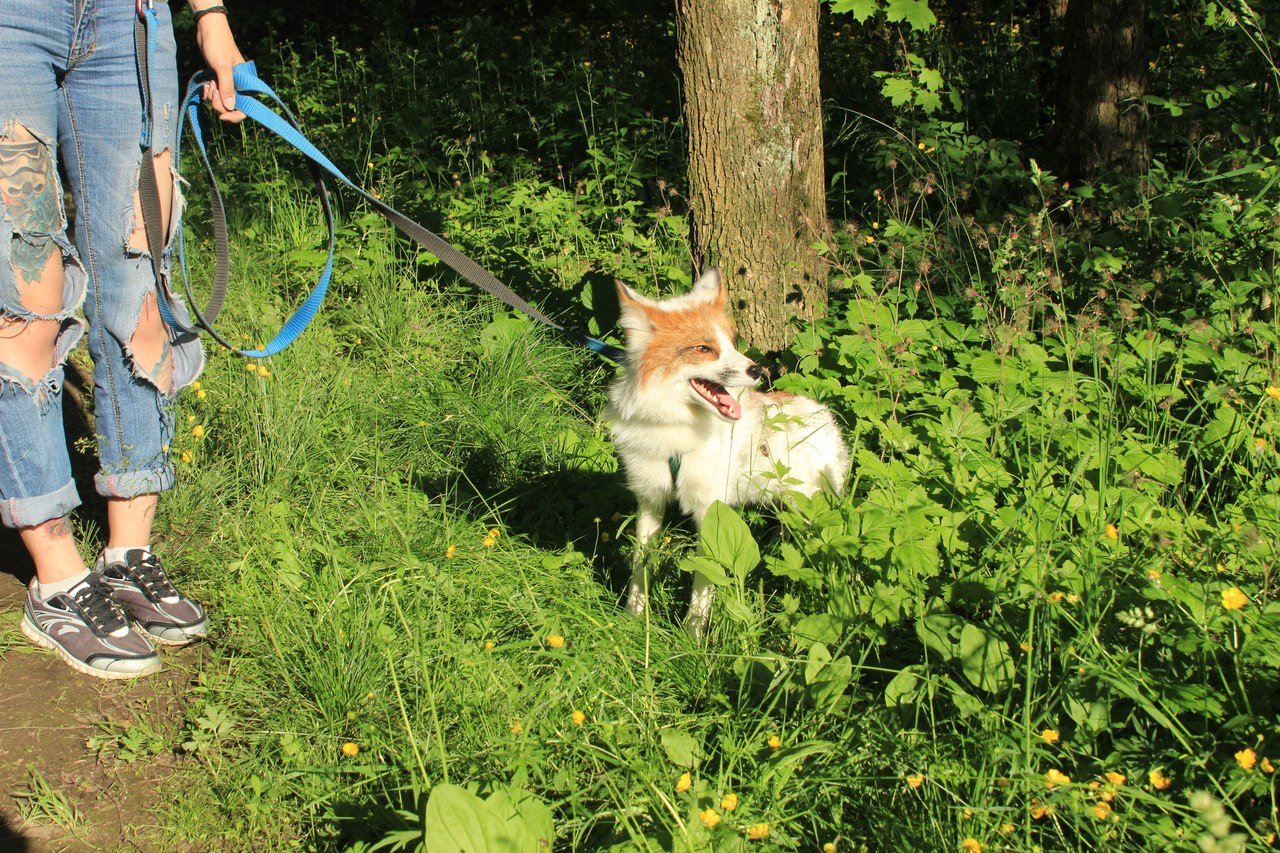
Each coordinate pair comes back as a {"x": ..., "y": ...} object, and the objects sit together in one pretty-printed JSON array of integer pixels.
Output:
[
  {"x": 42, "y": 284},
  {"x": 139, "y": 363},
  {"x": 41, "y": 287}
]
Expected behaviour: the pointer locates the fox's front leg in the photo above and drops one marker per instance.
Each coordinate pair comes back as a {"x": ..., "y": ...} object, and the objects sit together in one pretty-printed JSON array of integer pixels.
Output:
[
  {"x": 704, "y": 592},
  {"x": 648, "y": 522}
]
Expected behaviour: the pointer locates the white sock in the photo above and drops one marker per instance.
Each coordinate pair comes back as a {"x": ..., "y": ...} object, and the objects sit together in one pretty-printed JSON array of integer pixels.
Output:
[
  {"x": 110, "y": 556},
  {"x": 45, "y": 591}
]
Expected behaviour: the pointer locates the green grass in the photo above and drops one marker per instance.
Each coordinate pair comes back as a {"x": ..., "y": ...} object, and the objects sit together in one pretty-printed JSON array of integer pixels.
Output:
[{"x": 1064, "y": 458}]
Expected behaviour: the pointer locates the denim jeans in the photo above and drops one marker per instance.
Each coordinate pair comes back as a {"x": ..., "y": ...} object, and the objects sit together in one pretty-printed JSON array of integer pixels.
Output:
[{"x": 69, "y": 94}]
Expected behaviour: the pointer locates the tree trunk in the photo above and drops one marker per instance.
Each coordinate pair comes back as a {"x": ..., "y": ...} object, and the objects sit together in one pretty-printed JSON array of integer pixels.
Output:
[
  {"x": 756, "y": 185},
  {"x": 1101, "y": 119}
]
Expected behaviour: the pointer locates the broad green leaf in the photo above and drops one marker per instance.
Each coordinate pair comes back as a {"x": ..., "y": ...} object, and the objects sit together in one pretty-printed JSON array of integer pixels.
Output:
[
  {"x": 708, "y": 568},
  {"x": 985, "y": 659},
  {"x": 726, "y": 539},
  {"x": 518, "y": 821},
  {"x": 903, "y": 689},
  {"x": 914, "y": 12},
  {"x": 930, "y": 79},
  {"x": 682, "y": 748},
  {"x": 455, "y": 821},
  {"x": 792, "y": 565},
  {"x": 819, "y": 628},
  {"x": 939, "y": 631},
  {"x": 900, "y": 92},
  {"x": 827, "y": 678},
  {"x": 929, "y": 102},
  {"x": 860, "y": 9},
  {"x": 819, "y": 657}
]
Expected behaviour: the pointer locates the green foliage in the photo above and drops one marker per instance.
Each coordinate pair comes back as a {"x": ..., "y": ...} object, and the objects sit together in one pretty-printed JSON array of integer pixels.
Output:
[{"x": 1043, "y": 615}]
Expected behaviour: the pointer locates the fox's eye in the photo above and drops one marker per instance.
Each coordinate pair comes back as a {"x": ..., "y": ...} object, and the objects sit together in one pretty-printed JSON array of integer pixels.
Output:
[{"x": 701, "y": 348}]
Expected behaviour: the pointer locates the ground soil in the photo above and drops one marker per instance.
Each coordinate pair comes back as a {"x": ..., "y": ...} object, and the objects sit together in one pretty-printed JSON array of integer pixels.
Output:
[{"x": 48, "y": 713}]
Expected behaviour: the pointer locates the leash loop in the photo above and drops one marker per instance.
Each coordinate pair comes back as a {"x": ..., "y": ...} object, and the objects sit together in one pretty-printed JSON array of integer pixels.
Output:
[{"x": 283, "y": 124}]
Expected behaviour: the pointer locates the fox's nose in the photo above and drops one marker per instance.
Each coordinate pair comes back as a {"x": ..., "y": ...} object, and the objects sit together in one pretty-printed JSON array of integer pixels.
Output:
[{"x": 755, "y": 371}]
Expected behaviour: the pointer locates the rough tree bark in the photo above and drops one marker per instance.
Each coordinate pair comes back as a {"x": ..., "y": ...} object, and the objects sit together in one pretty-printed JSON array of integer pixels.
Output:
[
  {"x": 756, "y": 184},
  {"x": 1101, "y": 121}
]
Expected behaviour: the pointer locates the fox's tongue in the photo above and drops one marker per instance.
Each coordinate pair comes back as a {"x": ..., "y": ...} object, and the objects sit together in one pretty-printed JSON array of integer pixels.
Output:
[{"x": 717, "y": 396}]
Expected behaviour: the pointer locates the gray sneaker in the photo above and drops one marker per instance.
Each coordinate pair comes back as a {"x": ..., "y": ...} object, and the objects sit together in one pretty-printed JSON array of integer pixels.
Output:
[
  {"x": 89, "y": 630},
  {"x": 141, "y": 585}
]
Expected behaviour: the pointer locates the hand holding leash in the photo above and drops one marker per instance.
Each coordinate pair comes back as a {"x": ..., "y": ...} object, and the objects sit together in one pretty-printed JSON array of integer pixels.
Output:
[{"x": 218, "y": 46}]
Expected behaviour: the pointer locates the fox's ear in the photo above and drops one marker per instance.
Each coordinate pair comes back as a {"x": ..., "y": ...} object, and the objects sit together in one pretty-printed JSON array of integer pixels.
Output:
[
  {"x": 634, "y": 316},
  {"x": 709, "y": 288}
]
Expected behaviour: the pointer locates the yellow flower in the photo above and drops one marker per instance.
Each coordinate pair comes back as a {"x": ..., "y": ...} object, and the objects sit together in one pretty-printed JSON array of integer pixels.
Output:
[
  {"x": 710, "y": 817},
  {"x": 1266, "y": 766},
  {"x": 1038, "y": 811},
  {"x": 489, "y": 542},
  {"x": 868, "y": 239},
  {"x": 1154, "y": 574},
  {"x": 1273, "y": 392},
  {"x": 350, "y": 750},
  {"x": 1025, "y": 646},
  {"x": 1049, "y": 735},
  {"x": 1246, "y": 758},
  {"x": 579, "y": 718},
  {"x": 1233, "y": 598},
  {"x": 494, "y": 533},
  {"x": 1055, "y": 777},
  {"x": 198, "y": 431},
  {"x": 450, "y": 552},
  {"x": 488, "y": 645},
  {"x": 683, "y": 783},
  {"x": 263, "y": 372},
  {"x": 971, "y": 845},
  {"x": 1102, "y": 811},
  {"x": 251, "y": 367},
  {"x": 757, "y": 832},
  {"x": 730, "y": 802},
  {"x": 1072, "y": 598},
  {"x": 1007, "y": 828},
  {"x": 1115, "y": 778},
  {"x": 1112, "y": 532},
  {"x": 774, "y": 741},
  {"x": 517, "y": 728},
  {"x": 1055, "y": 597},
  {"x": 555, "y": 641},
  {"x": 201, "y": 394},
  {"x": 1158, "y": 780},
  {"x": 915, "y": 780},
  {"x": 187, "y": 457},
  {"x": 830, "y": 847}
]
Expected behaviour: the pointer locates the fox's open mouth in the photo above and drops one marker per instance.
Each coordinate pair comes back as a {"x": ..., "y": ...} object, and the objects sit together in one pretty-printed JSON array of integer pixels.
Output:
[{"x": 718, "y": 397}]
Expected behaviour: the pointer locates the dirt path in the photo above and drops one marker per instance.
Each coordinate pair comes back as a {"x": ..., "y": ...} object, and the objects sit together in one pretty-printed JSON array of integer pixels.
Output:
[{"x": 48, "y": 713}]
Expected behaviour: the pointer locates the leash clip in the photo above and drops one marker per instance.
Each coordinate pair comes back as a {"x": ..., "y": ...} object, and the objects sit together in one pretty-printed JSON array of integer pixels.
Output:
[{"x": 144, "y": 6}]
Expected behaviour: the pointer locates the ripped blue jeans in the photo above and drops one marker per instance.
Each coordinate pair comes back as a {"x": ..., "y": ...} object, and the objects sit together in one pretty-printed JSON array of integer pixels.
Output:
[{"x": 69, "y": 95}]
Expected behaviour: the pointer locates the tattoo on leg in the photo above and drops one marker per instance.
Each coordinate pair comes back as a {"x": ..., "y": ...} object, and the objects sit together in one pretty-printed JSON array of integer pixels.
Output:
[
  {"x": 58, "y": 528},
  {"x": 29, "y": 189}
]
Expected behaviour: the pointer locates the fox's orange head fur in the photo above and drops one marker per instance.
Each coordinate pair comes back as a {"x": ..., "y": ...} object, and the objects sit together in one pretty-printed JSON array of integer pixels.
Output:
[{"x": 684, "y": 346}]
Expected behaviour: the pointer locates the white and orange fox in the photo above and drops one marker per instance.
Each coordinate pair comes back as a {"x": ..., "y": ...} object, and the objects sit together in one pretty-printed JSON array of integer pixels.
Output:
[{"x": 688, "y": 424}]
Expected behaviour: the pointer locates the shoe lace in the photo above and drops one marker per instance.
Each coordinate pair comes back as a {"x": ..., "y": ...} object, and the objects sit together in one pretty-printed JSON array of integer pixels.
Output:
[
  {"x": 150, "y": 576},
  {"x": 96, "y": 606}
]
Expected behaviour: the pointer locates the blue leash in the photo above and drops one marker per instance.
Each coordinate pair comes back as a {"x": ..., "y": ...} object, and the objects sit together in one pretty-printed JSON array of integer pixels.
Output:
[{"x": 247, "y": 85}]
